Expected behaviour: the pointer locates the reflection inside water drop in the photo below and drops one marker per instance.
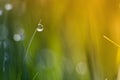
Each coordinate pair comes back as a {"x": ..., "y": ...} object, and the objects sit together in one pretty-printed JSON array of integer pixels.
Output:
[{"x": 40, "y": 27}]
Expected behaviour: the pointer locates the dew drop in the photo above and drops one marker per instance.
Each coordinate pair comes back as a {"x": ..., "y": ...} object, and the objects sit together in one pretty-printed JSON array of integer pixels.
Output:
[
  {"x": 40, "y": 27},
  {"x": 1, "y": 12},
  {"x": 8, "y": 6}
]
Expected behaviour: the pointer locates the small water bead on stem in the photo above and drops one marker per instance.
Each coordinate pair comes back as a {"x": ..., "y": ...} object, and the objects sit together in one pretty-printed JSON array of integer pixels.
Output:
[
  {"x": 8, "y": 6},
  {"x": 40, "y": 27}
]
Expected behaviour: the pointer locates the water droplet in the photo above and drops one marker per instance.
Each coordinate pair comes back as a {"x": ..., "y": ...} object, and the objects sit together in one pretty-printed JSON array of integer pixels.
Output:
[
  {"x": 8, "y": 6},
  {"x": 17, "y": 37},
  {"x": 40, "y": 27},
  {"x": 1, "y": 12},
  {"x": 81, "y": 68}
]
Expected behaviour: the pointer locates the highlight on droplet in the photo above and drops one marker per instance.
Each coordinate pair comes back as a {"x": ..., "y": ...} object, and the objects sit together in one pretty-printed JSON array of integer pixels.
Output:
[{"x": 40, "y": 27}]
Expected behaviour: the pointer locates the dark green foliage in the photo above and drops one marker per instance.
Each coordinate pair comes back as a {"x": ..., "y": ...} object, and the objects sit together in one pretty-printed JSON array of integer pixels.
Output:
[{"x": 12, "y": 66}]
